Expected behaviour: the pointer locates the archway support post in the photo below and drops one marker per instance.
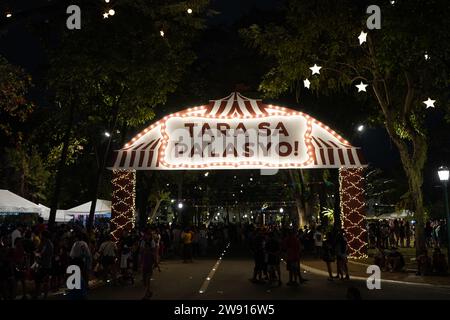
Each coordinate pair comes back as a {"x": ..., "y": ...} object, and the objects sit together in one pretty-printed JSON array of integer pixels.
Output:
[
  {"x": 353, "y": 217},
  {"x": 123, "y": 202}
]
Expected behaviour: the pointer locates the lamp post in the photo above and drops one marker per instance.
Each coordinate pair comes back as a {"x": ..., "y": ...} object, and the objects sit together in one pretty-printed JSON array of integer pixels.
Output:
[{"x": 443, "y": 174}]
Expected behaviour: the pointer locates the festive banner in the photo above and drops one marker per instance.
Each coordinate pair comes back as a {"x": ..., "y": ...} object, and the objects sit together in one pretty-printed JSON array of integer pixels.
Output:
[{"x": 237, "y": 133}]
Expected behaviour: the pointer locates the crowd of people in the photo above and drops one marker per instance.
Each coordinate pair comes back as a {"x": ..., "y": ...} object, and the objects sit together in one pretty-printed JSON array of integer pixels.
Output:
[
  {"x": 387, "y": 236},
  {"x": 34, "y": 260},
  {"x": 399, "y": 233},
  {"x": 391, "y": 233},
  {"x": 271, "y": 244}
]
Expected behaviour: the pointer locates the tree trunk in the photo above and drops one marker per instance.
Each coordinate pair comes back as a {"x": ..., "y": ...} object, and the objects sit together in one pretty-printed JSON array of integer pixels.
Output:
[
  {"x": 155, "y": 209},
  {"x": 100, "y": 170},
  {"x": 61, "y": 164},
  {"x": 334, "y": 174},
  {"x": 299, "y": 222},
  {"x": 414, "y": 174}
]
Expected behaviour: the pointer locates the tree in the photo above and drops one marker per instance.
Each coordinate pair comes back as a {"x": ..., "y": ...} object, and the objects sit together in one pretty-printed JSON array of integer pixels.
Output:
[
  {"x": 117, "y": 70},
  {"x": 392, "y": 62},
  {"x": 15, "y": 107}
]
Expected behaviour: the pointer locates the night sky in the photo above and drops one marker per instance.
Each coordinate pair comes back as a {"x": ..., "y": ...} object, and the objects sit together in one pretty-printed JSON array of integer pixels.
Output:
[{"x": 21, "y": 47}]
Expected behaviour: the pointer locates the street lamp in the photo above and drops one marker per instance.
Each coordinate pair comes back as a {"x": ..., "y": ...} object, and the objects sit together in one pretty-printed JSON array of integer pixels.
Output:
[
  {"x": 360, "y": 128},
  {"x": 281, "y": 210},
  {"x": 107, "y": 134},
  {"x": 180, "y": 205},
  {"x": 443, "y": 174}
]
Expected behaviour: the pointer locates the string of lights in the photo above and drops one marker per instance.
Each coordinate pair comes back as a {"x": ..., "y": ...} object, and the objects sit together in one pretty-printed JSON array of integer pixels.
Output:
[
  {"x": 123, "y": 201},
  {"x": 351, "y": 181}
]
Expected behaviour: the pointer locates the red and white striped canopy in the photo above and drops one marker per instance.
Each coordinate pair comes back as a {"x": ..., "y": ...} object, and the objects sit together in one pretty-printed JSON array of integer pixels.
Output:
[{"x": 326, "y": 149}]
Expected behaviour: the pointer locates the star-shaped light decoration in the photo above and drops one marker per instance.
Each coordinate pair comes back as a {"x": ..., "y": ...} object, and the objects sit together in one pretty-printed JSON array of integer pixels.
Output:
[
  {"x": 315, "y": 69},
  {"x": 306, "y": 83},
  {"x": 429, "y": 103},
  {"x": 105, "y": 15},
  {"x": 361, "y": 87},
  {"x": 362, "y": 37}
]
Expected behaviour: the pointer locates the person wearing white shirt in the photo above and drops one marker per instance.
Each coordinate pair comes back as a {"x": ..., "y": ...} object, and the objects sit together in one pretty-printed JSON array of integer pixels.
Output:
[
  {"x": 318, "y": 241},
  {"x": 17, "y": 233}
]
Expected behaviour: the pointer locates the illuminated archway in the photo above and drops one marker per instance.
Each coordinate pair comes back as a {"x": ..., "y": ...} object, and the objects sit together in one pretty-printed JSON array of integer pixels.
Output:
[{"x": 237, "y": 132}]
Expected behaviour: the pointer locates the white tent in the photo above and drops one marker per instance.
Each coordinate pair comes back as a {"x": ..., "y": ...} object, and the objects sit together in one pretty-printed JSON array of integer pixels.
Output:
[
  {"x": 402, "y": 214},
  {"x": 61, "y": 215},
  {"x": 11, "y": 203},
  {"x": 101, "y": 207}
]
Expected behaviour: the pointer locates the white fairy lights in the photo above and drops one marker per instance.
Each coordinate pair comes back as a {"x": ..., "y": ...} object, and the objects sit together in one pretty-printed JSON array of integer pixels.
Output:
[
  {"x": 123, "y": 201},
  {"x": 351, "y": 189}
]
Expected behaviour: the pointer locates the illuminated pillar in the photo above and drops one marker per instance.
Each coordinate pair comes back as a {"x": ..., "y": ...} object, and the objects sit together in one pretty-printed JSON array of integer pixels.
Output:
[
  {"x": 351, "y": 181},
  {"x": 123, "y": 201}
]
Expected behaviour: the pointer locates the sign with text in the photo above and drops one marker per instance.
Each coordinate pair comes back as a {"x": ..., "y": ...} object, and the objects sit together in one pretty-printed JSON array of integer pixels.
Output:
[
  {"x": 237, "y": 132},
  {"x": 205, "y": 142}
]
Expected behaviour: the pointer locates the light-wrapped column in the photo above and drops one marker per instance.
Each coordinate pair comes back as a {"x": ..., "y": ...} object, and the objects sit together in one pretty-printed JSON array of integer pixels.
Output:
[
  {"x": 123, "y": 201},
  {"x": 353, "y": 211}
]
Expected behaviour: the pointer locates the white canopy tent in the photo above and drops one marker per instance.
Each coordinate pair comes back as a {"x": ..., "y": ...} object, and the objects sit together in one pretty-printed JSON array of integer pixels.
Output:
[
  {"x": 11, "y": 203},
  {"x": 102, "y": 207},
  {"x": 61, "y": 215},
  {"x": 402, "y": 214}
]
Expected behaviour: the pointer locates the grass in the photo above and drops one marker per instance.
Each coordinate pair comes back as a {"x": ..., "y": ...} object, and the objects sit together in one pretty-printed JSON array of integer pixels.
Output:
[{"x": 408, "y": 253}]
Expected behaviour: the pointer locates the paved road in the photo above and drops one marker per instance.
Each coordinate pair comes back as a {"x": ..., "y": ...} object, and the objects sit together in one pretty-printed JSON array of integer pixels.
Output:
[{"x": 230, "y": 280}]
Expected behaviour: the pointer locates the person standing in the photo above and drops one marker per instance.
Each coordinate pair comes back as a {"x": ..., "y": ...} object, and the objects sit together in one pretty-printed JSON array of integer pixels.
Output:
[
  {"x": 203, "y": 241},
  {"x": 341, "y": 256},
  {"x": 148, "y": 263},
  {"x": 258, "y": 246},
  {"x": 408, "y": 234},
  {"x": 292, "y": 246},
  {"x": 20, "y": 266},
  {"x": 17, "y": 233},
  {"x": 187, "y": 238},
  {"x": 318, "y": 242},
  {"x": 176, "y": 240},
  {"x": 328, "y": 254},
  {"x": 273, "y": 259},
  {"x": 80, "y": 255},
  {"x": 401, "y": 233},
  {"x": 45, "y": 256},
  {"x": 108, "y": 254}
]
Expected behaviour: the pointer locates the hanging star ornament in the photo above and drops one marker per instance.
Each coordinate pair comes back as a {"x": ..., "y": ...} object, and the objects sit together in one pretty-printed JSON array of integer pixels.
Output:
[
  {"x": 315, "y": 69},
  {"x": 306, "y": 83},
  {"x": 361, "y": 87},
  {"x": 429, "y": 103},
  {"x": 105, "y": 15},
  {"x": 362, "y": 37}
]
